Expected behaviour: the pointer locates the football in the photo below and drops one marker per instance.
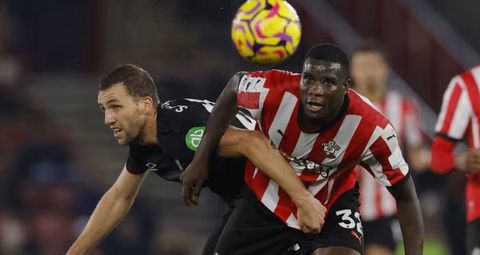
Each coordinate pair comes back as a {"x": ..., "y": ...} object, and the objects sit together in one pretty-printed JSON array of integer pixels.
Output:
[{"x": 266, "y": 31}]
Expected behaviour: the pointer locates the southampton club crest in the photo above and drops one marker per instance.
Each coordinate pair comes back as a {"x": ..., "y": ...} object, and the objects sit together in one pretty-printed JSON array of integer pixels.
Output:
[{"x": 330, "y": 148}]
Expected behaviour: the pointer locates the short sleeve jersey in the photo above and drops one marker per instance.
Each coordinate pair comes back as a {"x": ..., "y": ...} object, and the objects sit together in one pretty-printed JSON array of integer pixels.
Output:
[{"x": 323, "y": 161}]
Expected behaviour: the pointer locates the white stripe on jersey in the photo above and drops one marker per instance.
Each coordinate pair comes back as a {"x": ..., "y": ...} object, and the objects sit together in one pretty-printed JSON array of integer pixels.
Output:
[
  {"x": 282, "y": 117},
  {"x": 396, "y": 159},
  {"x": 446, "y": 98},
  {"x": 376, "y": 168},
  {"x": 304, "y": 144},
  {"x": 276, "y": 131},
  {"x": 393, "y": 109},
  {"x": 462, "y": 112},
  {"x": 292, "y": 221},
  {"x": 270, "y": 198}
]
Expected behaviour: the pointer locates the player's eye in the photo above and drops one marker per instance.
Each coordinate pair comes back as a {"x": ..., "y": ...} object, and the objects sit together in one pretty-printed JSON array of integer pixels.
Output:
[
  {"x": 307, "y": 78},
  {"x": 329, "y": 82}
]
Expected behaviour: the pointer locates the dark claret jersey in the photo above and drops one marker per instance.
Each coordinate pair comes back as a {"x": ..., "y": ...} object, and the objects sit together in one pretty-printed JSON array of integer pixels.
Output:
[{"x": 180, "y": 127}]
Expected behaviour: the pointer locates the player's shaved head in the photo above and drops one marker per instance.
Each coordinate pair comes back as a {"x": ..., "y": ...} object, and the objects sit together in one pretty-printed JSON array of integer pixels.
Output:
[
  {"x": 136, "y": 80},
  {"x": 330, "y": 53}
]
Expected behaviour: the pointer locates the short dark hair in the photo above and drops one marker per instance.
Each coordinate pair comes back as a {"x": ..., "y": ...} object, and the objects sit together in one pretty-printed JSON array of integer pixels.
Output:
[
  {"x": 372, "y": 45},
  {"x": 331, "y": 53},
  {"x": 136, "y": 80}
]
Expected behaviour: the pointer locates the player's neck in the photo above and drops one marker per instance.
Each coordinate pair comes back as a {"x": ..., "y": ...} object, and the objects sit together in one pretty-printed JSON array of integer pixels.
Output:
[{"x": 150, "y": 131}]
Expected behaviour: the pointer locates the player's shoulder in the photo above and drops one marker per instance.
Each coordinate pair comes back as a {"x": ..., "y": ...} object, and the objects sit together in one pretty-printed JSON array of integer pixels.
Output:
[
  {"x": 184, "y": 104},
  {"x": 363, "y": 107},
  {"x": 470, "y": 77},
  {"x": 275, "y": 78},
  {"x": 184, "y": 110}
]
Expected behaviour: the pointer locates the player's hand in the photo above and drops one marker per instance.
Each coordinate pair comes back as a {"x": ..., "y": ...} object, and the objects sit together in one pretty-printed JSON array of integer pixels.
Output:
[
  {"x": 311, "y": 214},
  {"x": 192, "y": 180},
  {"x": 468, "y": 161}
]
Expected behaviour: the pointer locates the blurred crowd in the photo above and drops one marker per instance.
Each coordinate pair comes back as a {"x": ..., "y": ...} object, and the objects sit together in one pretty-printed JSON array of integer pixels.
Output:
[{"x": 45, "y": 194}]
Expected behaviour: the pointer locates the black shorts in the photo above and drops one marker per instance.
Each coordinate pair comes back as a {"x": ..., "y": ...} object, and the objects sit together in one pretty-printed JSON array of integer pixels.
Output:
[
  {"x": 253, "y": 229},
  {"x": 342, "y": 226},
  {"x": 213, "y": 238},
  {"x": 380, "y": 232},
  {"x": 473, "y": 237}
]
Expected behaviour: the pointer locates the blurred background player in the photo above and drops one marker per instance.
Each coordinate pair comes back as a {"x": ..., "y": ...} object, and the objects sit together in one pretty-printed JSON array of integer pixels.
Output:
[
  {"x": 459, "y": 122},
  {"x": 370, "y": 73}
]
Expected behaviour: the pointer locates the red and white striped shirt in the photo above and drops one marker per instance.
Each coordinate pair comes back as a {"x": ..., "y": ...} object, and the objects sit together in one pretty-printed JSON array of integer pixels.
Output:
[
  {"x": 459, "y": 120},
  {"x": 376, "y": 201},
  {"x": 324, "y": 161}
]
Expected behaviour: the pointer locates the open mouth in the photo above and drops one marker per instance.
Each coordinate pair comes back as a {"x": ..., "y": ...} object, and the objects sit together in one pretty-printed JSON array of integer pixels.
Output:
[
  {"x": 116, "y": 132},
  {"x": 314, "y": 106}
]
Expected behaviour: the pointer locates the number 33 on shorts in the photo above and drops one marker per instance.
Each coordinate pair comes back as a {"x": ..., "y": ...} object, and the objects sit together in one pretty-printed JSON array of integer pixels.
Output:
[{"x": 350, "y": 220}]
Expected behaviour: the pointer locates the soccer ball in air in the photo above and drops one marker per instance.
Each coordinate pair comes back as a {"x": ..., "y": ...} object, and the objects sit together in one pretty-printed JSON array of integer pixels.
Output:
[{"x": 266, "y": 31}]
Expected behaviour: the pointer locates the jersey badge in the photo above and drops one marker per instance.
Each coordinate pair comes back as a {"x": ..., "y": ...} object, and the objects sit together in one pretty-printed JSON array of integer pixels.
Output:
[
  {"x": 330, "y": 148},
  {"x": 193, "y": 137}
]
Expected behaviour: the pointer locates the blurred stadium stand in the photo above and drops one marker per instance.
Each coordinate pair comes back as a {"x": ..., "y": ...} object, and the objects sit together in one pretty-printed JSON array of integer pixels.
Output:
[{"x": 52, "y": 54}]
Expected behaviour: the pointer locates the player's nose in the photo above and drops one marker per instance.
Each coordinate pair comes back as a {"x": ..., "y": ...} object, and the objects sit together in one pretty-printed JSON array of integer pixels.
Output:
[
  {"x": 317, "y": 89},
  {"x": 109, "y": 119}
]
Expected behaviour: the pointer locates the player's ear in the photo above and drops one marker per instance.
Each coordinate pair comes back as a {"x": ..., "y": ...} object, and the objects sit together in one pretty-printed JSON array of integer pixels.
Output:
[
  {"x": 147, "y": 103},
  {"x": 347, "y": 84}
]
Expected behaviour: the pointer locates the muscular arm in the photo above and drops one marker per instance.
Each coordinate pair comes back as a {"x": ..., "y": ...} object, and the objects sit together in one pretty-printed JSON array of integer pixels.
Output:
[
  {"x": 409, "y": 216},
  {"x": 110, "y": 210},
  {"x": 256, "y": 147}
]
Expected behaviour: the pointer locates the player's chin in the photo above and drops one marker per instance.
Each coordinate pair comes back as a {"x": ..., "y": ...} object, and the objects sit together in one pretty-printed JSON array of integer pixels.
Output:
[
  {"x": 122, "y": 141},
  {"x": 318, "y": 114}
]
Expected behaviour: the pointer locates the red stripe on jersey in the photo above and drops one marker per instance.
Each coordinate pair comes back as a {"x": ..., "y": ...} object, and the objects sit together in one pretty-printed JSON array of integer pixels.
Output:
[
  {"x": 257, "y": 183},
  {"x": 360, "y": 139},
  {"x": 343, "y": 182},
  {"x": 452, "y": 105},
  {"x": 249, "y": 100},
  {"x": 382, "y": 153},
  {"x": 442, "y": 160},
  {"x": 473, "y": 93},
  {"x": 285, "y": 206},
  {"x": 469, "y": 135}
]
